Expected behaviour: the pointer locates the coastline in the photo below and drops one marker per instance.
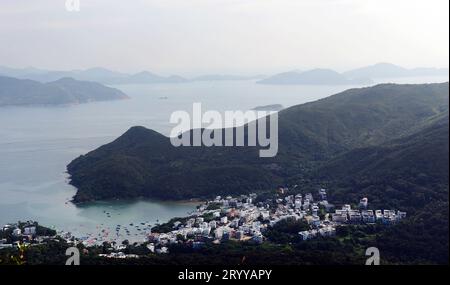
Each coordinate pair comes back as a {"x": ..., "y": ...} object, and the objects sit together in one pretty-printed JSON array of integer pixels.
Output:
[{"x": 193, "y": 201}]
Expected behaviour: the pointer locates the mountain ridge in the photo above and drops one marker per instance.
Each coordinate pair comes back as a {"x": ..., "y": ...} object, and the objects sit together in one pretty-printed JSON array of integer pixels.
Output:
[
  {"x": 318, "y": 76},
  {"x": 144, "y": 163},
  {"x": 389, "y": 70}
]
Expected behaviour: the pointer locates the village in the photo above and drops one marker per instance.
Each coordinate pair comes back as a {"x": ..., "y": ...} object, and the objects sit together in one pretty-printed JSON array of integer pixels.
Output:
[
  {"x": 24, "y": 233},
  {"x": 243, "y": 218}
]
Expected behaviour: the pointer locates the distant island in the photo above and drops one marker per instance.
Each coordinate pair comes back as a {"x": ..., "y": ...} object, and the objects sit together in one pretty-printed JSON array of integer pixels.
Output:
[
  {"x": 146, "y": 77},
  {"x": 313, "y": 77},
  {"x": 359, "y": 76},
  {"x": 64, "y": 91},
  {"x": 273, "y": 107},
  {"x": 389, "y": 70}
]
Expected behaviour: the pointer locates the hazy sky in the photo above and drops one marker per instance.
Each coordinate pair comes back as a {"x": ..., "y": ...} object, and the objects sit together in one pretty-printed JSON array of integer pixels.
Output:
[{"x": 244, "y": 36}]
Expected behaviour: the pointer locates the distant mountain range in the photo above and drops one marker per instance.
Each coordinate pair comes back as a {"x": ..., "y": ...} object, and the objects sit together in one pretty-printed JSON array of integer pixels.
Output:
[
  {"x": 19, "y": 92},
  {"x": 388, "y": 70},
  {"x": 105, "y": 76},
  {"x": 96, "y": 74},
  {"x": 360, "y": 76},
  {"x": 313, "y": 77}
]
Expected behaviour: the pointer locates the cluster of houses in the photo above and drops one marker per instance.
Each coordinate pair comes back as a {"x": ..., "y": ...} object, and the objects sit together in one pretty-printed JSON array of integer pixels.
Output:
[
  {"x": 240, "y": 218},
  {"x": 234, "y": 219},
  {"x": 347, "y": 215},
  {"x": 243, "y": 218},
  {"x": 119, "y": 255},
  {"x": 20, "y": 233},
  {"x": 351, "y": 216}
]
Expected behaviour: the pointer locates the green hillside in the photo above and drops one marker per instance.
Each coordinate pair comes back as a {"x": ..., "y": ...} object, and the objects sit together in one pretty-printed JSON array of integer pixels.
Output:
[
  {"x": 409, "y": 172},
  {"x": 144, "y": 163}
]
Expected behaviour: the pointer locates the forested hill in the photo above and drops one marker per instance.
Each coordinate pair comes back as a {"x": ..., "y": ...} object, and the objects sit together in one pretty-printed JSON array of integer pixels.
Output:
[
  {"x": 409, "y": 172},
  {"x": 144, "y": 163}
]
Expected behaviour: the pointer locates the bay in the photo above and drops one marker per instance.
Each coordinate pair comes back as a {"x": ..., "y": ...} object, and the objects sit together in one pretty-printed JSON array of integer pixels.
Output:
[{"x": 36, "y": 144}]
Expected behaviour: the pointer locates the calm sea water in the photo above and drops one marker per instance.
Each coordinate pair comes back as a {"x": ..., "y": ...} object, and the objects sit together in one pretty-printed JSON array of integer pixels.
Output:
[{"x": 36, "y": 144}]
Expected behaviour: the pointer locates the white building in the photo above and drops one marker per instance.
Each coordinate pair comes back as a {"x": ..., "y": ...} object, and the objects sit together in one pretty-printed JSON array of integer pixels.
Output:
[
  {"x": 323, "y": 194},
  {"x": 368, "y": 216},
  {"x": 224, "y": 220},
  {"x": 354, "y": 216},
  {"x": 339, "y": 217},
  {"x": 314, "y": 209},
  {"x": 363, "y": 203},
  {"x": 17, "y": 232},
  {"x": 401, "y": 215},
  {"x": 29, "y": 230},
  {"x": 378, "y": 215},
  {"x": 327, "y": 231},
  {"x": 213, "y": 224},
  {"x": 346, "y": 207},
  {"x": 151, "y": 247},
  {"x": 309, "y": 197},
  {"x": 218, "y": 233}
]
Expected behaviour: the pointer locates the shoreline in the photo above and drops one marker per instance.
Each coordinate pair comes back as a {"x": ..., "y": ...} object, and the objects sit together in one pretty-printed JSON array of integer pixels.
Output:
[{"x": 195, "y": 201}]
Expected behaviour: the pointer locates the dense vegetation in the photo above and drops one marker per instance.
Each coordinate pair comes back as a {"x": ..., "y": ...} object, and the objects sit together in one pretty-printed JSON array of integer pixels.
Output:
[
  {"x": 407, "y": 173},
  {"x": 144, "y": 163},
  {"x": 286, "y": 231}
]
